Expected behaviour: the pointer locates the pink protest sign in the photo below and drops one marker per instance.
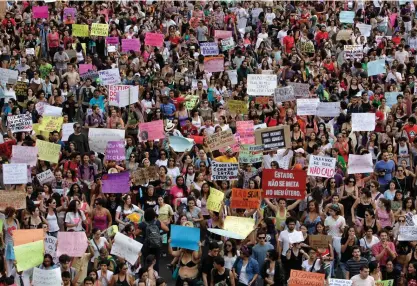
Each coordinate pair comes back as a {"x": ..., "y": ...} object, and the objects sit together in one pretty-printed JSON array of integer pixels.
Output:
[
  {"x": 40, "y": 12},
  {"x": 220, "y": 34},
  {"x": 151, "y": 130},
  {"x": 153, "y": 39},
  {"x": 130, "y": 45},
  {"x": 113, "y": 91},
  {"x": 83, "y": 68},
  {"x": 112, "y": 40},
  {"x": 73, "y": 243},
  {"x": 245, "y": 130},
  {"x": 70, "y": 11},
  {"x": 214, "y": 64}
]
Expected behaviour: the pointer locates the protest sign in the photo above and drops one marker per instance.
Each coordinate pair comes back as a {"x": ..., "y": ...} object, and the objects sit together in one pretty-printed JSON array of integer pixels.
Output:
[
  {"x": 8, "y": 76},
  {"x": 116, "y": 183},
  {"x": 112, "y": 40},
  {"x": 15, "y": 199},
  {"x": 98, "y": 138},
  {"x": 245, "y": 131},
  {"x": 261, "y": 84},
  {"x": 220, "y": 140},
  {"x": 262, "y": 100},
  {"x": 24, "y": 154},
  {"x": 344, "y": 35},
  {"x": 227, "y": 44},
  {"x": 284, "y": 94},
  {"x": 300, "y": 89},
  {"x": 353, "y": 51},
  {"x": 391, "y": 97},
  {"x": 307, "y": 106},
  {"x": 29, "y": 255},
  {"x": 364, "y": 29},
  {"x": 126, "y": 247},
  {"x": 111, "y": 76},
  {"x": 273, "y": 138},
  {"x": 215, "y": 200},
  {"x": 289, "y": 184},
  {"x": 363, "y": 121},
  {"x": 340, "y": 282},
  {"x": 50, "y": 110},
  {"x": 190, "y": 104},
  {"x": 142, "y": 175},
  {"x": 51, "y": 123},
  {"x": 346, "y": 16},
  {"x": 130, "y": 45},
  {"x": 48, "y": 151},
  {"x": 40, "y": 12},
  {"x": 221, "y": 34},
  {"x": 320, "y": 166},
  {"x": 93, "y": 75},
  {"x": 113, "y": 91},
  {"x": 360, "y": 164},
  {"x": 115, "y": 151},
  {"x": 50, "y": 243},
  {"x": 99, "y": 29},
  {"x": 79, "y": 30},
  {"x": 407, "y": 233},
  {"x": 15, "y": 174},
  {"x": 20, "y": 123},
  {"x": 21, "y": 90},
  {"x": 237, "y": 106},
  {"x": 23, "y": 236},
  {"x": 154, "y": 39},
  {"x": 320, "y": 240},
  {"x": 151, "y": 130},
  {"x": 250, "y": 154},
  {"x": 45, "y": 177},
  {"x": 298, "y": 278},
  {"x": 224, "y": 171},
  {"x": 40, "y": 107},
  {"x": 185, "y": 237},
  {"x": 245, "y": 198},
  {"x": 214, "y": 64},
  {"x": 241, "y": 226},
  {"x": 30, "y": 51},
  {"x": 232, "y": 76},
  {"x": 72, "y": 243},
  {"x": 83, "y": 68},
  {"x": 328, "y": 109},
  {"x": 295, "y": 237},
  {"x": 209, "y": 49},
  {"x": 67, "y": 130},
  {"x": 42, "y": 277},
  {"x": 385, "y": 283},
  {"x": 70, "y": 11},
  {"x": 376, "y": 67}
]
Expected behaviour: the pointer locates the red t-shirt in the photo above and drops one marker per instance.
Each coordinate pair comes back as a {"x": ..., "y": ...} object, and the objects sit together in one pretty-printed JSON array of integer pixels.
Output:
[
  {"x": 288, "y": 41},
  {"x": 6, "y": 148},
  {"x": 53, "y": 40},
  {"x": 411, "y": 131}
]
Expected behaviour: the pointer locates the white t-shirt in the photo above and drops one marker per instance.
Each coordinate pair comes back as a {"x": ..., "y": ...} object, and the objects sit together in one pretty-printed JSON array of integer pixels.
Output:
[
  {"x": 52, "y": 222},
  {"x": 358, "y": 281},
  {"x": 71, "y": 218},
  {"x": 307, "y": 267},
  {"x": 285, "y": 240},
  {"x": 243, "y": 277},
  {"x": 335, "y": 225},
  {"x": 97, "y": 246},
  {"x": 366, "y": 244}
]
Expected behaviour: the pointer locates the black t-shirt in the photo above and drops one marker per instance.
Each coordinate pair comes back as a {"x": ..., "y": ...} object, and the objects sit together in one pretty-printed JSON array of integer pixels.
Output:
[
  {"x": 142, "y": 226},
  {"x": 207, "y": 266},
  {"x": 148, "y": 201},
  {"x": 217, "y": 278}
]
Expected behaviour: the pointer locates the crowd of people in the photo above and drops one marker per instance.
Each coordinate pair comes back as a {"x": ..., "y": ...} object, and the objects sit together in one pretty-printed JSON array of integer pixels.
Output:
[{"x": 363, "y": 218}]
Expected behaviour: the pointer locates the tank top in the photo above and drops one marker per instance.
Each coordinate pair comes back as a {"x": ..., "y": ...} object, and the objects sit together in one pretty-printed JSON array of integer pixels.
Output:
[
  {"x": 361, "y": 208},
  {"x": 374, "y": 227},
  {"x": 279, "y": 220},
  {"x": 122, "y": 283},
  {"x": 100, "y": 222}
]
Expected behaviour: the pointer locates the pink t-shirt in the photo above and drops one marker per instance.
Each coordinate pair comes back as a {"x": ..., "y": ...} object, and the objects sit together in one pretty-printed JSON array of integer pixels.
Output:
[
  {"x": 53, "y": 39},
  {"x": 176, "y": 193}
]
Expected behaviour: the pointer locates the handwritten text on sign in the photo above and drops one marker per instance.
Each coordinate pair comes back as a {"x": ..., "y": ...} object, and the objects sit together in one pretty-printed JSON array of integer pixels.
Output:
[
  {"x": 209, "y": 49},
  {"x": 298, "y": 278},
  {"x": 285, "y": 184},
  {"x": 261, "y": 84},
  {"x": 115, "y": 151},
  {"x": 407, "y": 233},
  {"x": 224, "y": 171},
  {"x": 220, "y": 140},
  {"x": 273, "y": 138},
  {"x": 20, "y": 123},
  {"x": 215, "y": 199},
  {"x": 284, "y": 94},
  {"x": 245, "y": 199},
  {"x": 321, "y": 166}
]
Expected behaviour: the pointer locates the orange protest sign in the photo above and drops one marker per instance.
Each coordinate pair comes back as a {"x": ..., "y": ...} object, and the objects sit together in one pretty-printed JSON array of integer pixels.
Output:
[
  {"x": 23, "y": 236},
  {"x": 262, "y": 99},
  {"x": 304, "y": 278},
  {"x": 245, "y": 199}
]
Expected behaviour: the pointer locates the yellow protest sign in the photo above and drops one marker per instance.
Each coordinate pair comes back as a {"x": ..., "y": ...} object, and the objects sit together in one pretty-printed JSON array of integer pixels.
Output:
[
  {"x": 29, "y": 255},
  {"x": 80, "y": 30},
  {"x": 99, "y": 29},
  {"x": 215, "y": 199},
  {"x": 51, "y": 123},
  {"x": 48, "y": 151},
  {"x": 190, "y": 104},
  {"x": 237, "y": 107},
  {"x": 242, "y": 226}
]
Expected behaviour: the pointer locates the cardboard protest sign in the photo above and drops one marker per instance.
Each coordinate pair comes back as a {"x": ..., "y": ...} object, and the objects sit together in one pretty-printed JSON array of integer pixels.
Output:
[
  {"x": 16, "y": 199},
  {"x": 209, "y": 49},
  {"x": 300, "y": 89},
  {"x": 320, "y": 240},
  {"x": 51, "y": 123},
  {"x": 237, "y": 106},
  {"x": 142, "y": 175},
  {"x": 328, "y": 109},
  {"x": 289, "y": 184},
  {"x": 98, "y": 29},
  {"x": 126, "y": 247},
  {"x": 245, "y": 198},
  {"x": 215, "y": 200},
  {"x": 242, "y": 226},
  {"x": 261, "y": 84},
  {"x": 220, "y": 140},
  {"x": 320, "y": 166},
  {"x": 245, "y": 131},
  {"x": 20, "y": 123},
  {"x": 151, "y": 130},
  {"x": 48, "y": 151},
  {"x": 73, "y": 244},
  {"x": 353, "y": 51},
  {"x": 115, "y": 151},
  {"x": 154, "y": 39},
  {"x": 360, "y": 164},
  {"x": 130, "y": 45},
  {"x": 24, "y": 154},
  {"x": 185, "y": 237},
  {"x": 298, "y": 277},
  {"x": 407, "y": 233},
  {"x": 363, "y": 121},
  {"x": 344, "y": 35},
  {"x": 29, "y": 255},
  {"x": 23, "y": 236},
  {"x": 214, "y": 64},
  {"x": 111, "y": 76},
  {"x": 284, "y": 94},
  {"x": 224, "y": 171},
  {"x": 42, "y": 277},
  {"x": 21, "y": 90},
  {"x": 15, "y": 174},
  {"x": 273, "y": 138},
  {"x": 307, "y": 106},
  {"x": 98, "y": 138},
  {"x": 250, "y": 154},
  {"x": 79, "y": 30},
  {"x": 116, "y": 183},
  {"x": 45, "y": 177}
]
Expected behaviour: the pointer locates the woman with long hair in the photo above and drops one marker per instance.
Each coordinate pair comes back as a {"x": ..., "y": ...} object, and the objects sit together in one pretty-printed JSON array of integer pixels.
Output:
[
  {"x": 51, "y": 216},
  {"x": 193, "y": 212},
  {"x": 272, "y": 271},
  {"x": 311, "y": 216},
  {"x": 101, "y": 216},
  {"x": 180, "y": 190},
  {"x": 122, "y": 277},
  {"x": 124, "y": 210},
  {"x": 384, "y": 214},
  {"x": 230, "y": 253},
  {"x": 74, "y": 217}
]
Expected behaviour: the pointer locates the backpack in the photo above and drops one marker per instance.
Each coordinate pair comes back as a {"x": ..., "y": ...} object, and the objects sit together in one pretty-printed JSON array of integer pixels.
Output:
[{"x": 153, "y": 237}]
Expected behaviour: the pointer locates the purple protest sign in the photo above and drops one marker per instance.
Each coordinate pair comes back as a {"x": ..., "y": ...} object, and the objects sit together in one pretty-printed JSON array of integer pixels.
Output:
[
  {"x": 40, "y": 12},
  {"x": 70, "y": 11},
  {"x": 83, "y": 68},
  {"x": 112, "y": 40},
  {"x": 115, "y": 151},
  {"x": 130, "y": 45},
  {"x": 116, "y": 183}
]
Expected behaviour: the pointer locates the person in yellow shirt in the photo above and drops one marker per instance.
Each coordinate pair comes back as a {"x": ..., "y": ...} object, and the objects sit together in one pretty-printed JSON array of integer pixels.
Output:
[{"x": 227, "y": 157}]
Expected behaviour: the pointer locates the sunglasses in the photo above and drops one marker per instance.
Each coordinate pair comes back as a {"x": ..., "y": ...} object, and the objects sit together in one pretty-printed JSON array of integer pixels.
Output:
[{"x": 261, "y": 237}]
